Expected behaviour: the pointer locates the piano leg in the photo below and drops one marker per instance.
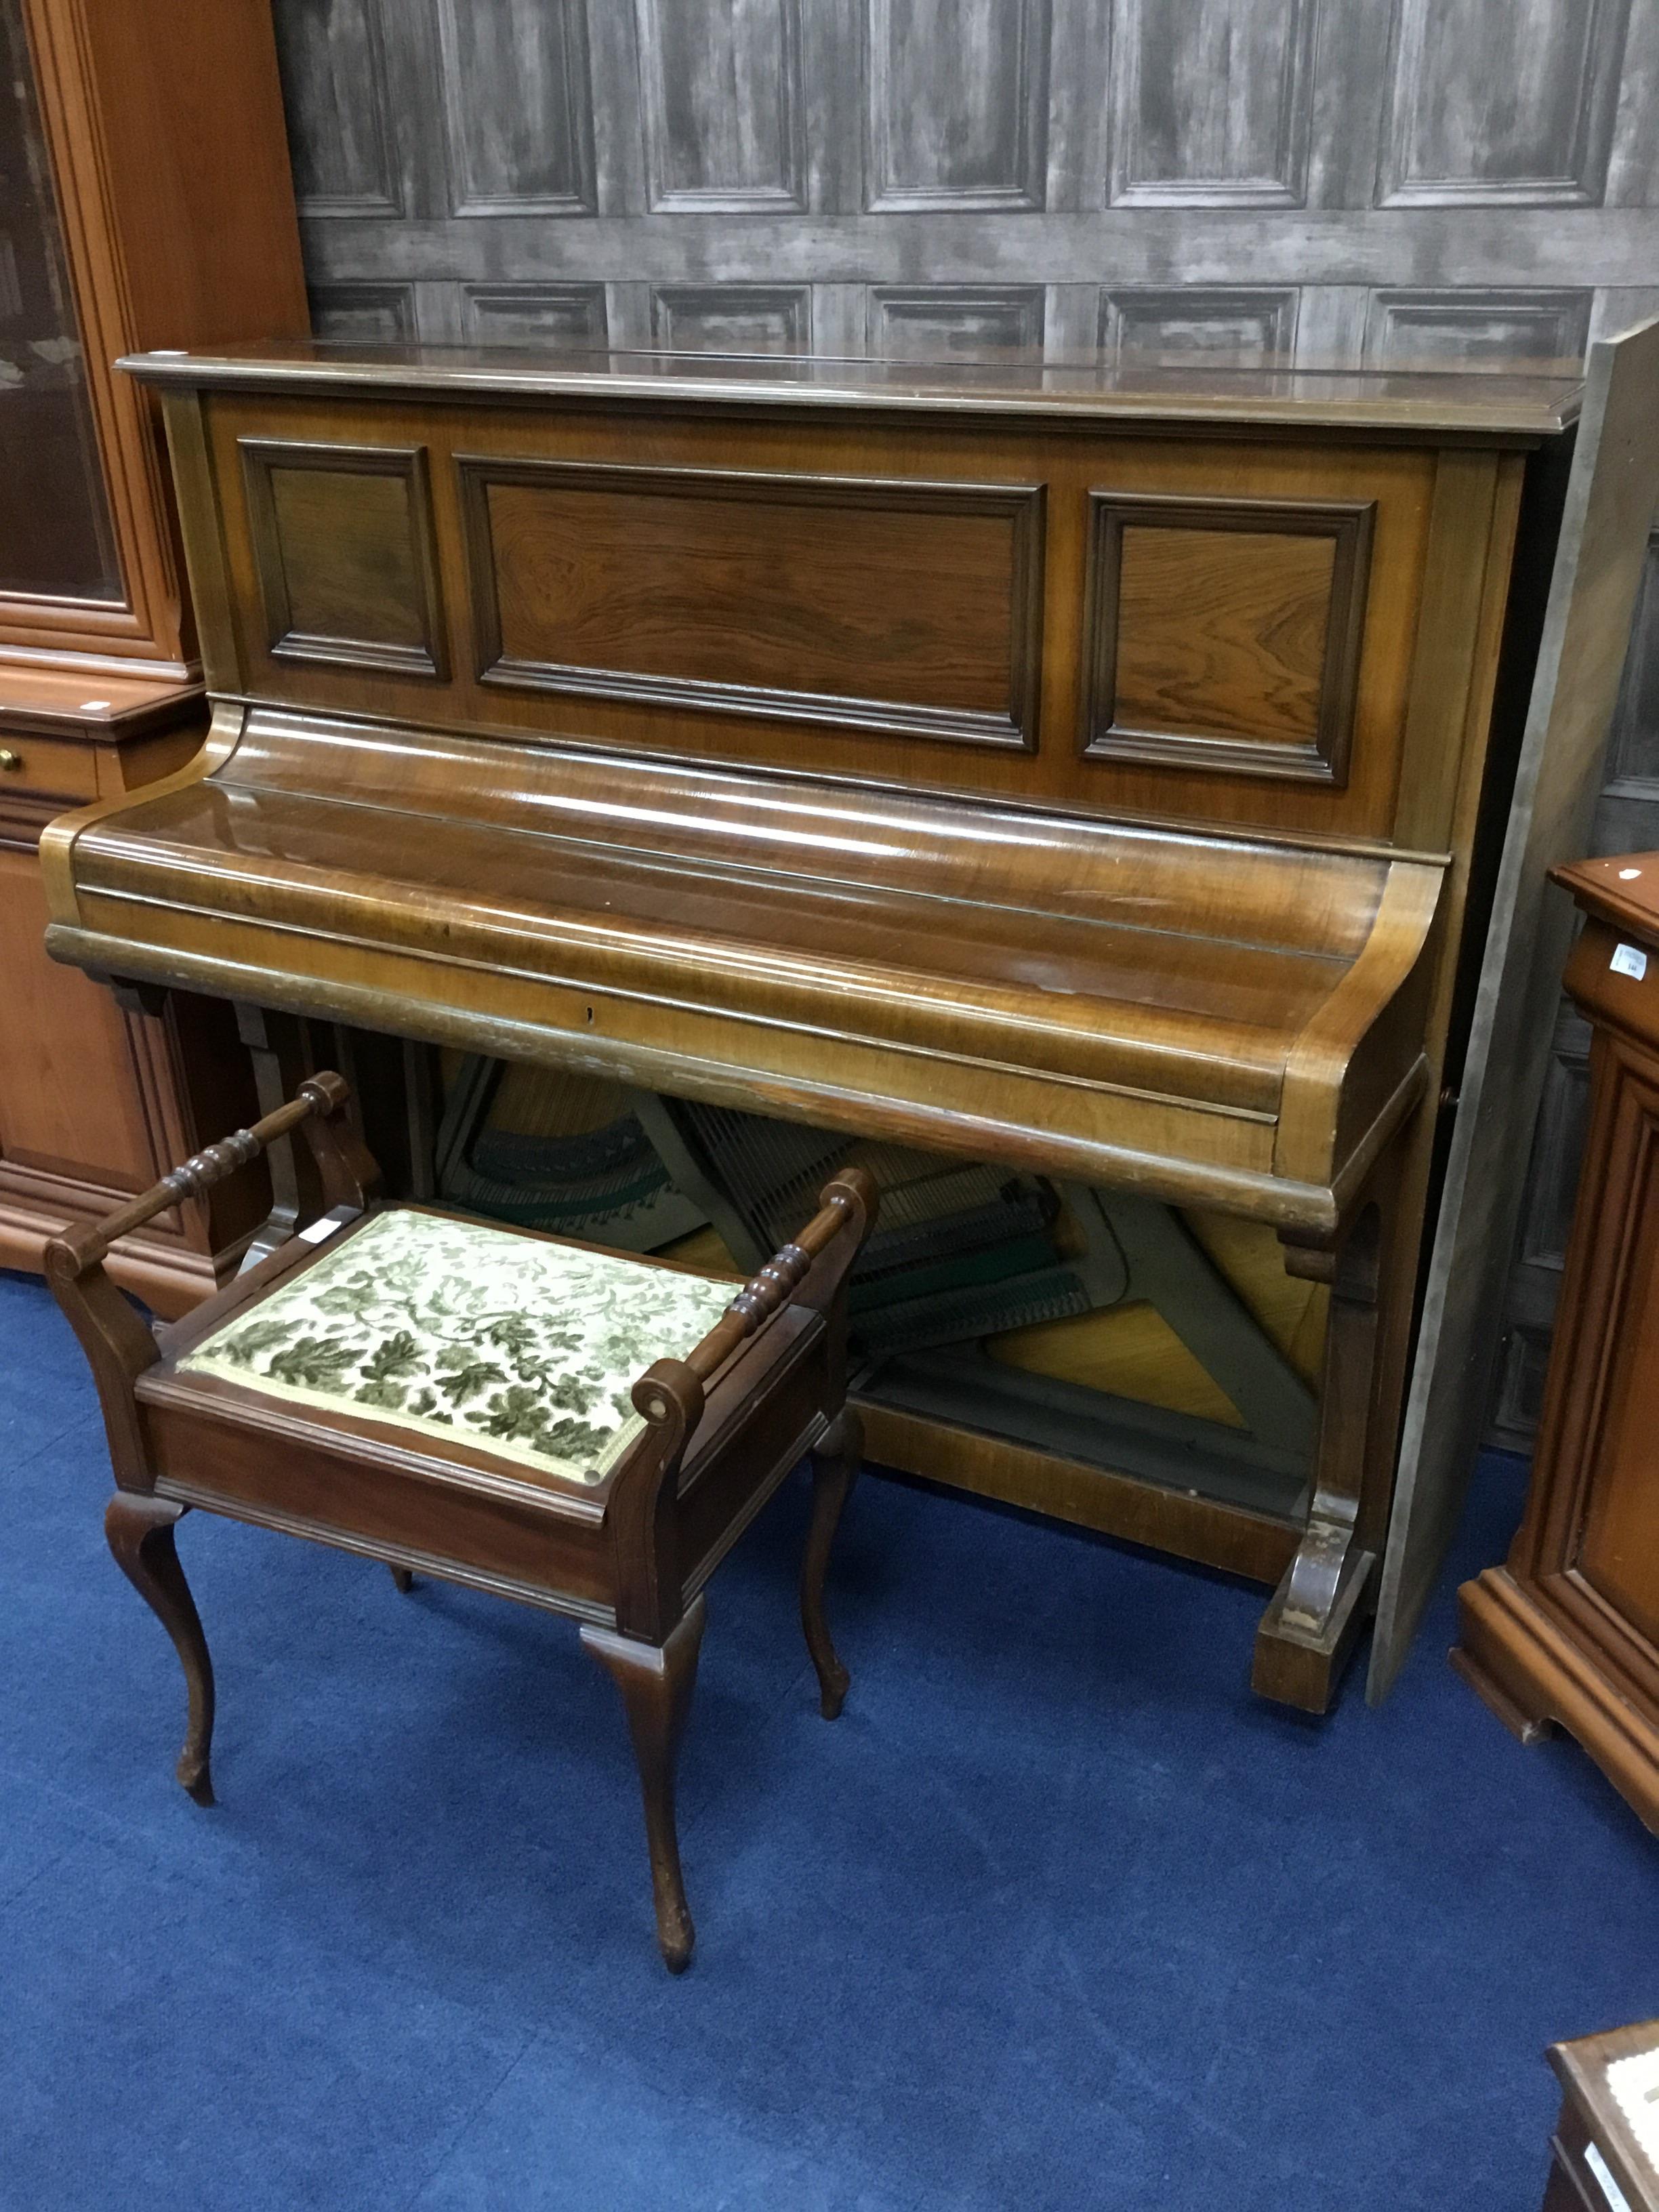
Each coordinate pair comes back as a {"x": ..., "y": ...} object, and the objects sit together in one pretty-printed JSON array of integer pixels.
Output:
[
  {"x": 835, "y": 1470},
  {"x": 1309, "y": 1629},
  {"x": 656, "y": 1681}
]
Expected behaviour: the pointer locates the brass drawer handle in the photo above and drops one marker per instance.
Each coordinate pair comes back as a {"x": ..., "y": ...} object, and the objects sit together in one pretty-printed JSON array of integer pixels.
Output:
[{"x": 10, "y": 759}]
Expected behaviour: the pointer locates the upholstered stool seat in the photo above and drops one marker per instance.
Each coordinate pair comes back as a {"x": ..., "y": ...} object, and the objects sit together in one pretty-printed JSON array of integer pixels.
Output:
[
  {"x": 524, "y": 1347},
  {"x": 585, "y": 1430}
]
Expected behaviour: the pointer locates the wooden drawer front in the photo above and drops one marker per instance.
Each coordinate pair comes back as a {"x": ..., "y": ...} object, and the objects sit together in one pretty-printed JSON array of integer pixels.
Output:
[
  {"x": 274, "y": 1474},
  {"x": 46, "y": 768}
]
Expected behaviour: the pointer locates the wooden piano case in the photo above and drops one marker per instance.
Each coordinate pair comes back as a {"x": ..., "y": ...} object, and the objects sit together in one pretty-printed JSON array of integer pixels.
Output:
[
  {"x": 144, "y": 200},
  {"x": 1082, "y": 770}
]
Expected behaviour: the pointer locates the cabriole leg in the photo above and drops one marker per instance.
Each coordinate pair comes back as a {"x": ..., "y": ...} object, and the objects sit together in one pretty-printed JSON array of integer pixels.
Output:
[
  {"x": 140, "y": 1533},
  {"x": 656, "y": 1681},
  {"x": 835, "y": 1469}
]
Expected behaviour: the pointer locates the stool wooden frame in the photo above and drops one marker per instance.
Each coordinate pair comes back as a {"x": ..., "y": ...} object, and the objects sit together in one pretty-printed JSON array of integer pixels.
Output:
[{"x": 628, "y": 1557}]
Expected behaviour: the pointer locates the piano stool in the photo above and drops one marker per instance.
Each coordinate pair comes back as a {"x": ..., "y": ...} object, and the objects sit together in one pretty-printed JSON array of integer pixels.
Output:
[{"x": 344, "y": 1388}]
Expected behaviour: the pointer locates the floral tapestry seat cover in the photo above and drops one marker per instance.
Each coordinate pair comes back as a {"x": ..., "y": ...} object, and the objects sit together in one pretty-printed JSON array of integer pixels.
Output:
[{"x": 524, "y": 1348}]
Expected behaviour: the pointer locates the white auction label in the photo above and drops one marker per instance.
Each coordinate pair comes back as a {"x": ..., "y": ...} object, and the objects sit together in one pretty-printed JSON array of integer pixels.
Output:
[
  {"x": 1603, "y": 2172},
  {"x": 1628, "y": 960}
]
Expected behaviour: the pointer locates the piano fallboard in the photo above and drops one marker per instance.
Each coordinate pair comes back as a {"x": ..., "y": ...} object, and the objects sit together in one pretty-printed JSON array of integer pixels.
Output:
[{"x": 1231, "y": 1020}]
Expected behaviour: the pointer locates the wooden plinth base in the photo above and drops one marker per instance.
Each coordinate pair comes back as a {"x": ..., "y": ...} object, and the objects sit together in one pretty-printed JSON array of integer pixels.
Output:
[
  {"x": 1306, "y": 1670},
  {"x": 1293, "y": 1669},
  {"x": 1532, "y": 1674}
]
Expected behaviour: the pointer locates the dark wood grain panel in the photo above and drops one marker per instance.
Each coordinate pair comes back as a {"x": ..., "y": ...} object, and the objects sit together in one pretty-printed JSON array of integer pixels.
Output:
[
  {"x": 1618, "y": 1554},
  {"x": 342, "y": 543},
  {"x": 912, "y": 607},
  {"x": 823, "y": 445},
  {"x": 1226, "y": 634}
]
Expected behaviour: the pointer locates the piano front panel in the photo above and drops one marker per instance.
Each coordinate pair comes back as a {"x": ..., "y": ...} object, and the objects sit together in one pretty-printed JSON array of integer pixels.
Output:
[
  {"x": 342, "y": 541},
  {"x": 1214, "y": 628},
  {"x": 1224, "y": 634},
  {"x": 911, "y": 608}
]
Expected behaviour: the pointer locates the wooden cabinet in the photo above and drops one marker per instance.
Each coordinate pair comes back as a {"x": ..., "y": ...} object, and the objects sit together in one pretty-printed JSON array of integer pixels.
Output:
[
  {"x": 1567, "y": 1633},
  {"x": 144, "y": 200}
]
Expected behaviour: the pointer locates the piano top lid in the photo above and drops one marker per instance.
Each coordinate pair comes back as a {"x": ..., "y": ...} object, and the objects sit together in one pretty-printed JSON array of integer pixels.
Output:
[{"x": 1497, "y": 400}]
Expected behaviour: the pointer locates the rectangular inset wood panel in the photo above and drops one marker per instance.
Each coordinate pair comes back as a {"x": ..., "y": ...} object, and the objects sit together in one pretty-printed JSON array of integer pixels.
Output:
[
  {"x": 935, "y": 322},
  {"x": 332, "y": 57},
  {"x": 1224, "y": 634},
  {"x": 1502, "y": 101},
  {"x": 1209, "y": 103},
  {"x": 909, "y": 607},
  {"x": 1243, "y": 327},
  {"x": 733, "y": 317},
  {"x": 518, "y": 106},
  {"x": 342, "y": 541},
  {"x": 1410, "y": 329},
  {"x": 1617, "y": 1554},
  {"x": 566, "y": 316}
]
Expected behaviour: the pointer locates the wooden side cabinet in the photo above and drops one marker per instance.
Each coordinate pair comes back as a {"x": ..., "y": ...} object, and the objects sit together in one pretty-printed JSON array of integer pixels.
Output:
[
  {"x": 145, "y": 201},
  {"x": 1567, "y": 1633}
]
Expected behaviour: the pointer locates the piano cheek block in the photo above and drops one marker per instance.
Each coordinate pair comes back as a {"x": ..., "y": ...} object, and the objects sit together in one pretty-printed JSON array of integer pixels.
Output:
[{"x": 1025, "y": 780}]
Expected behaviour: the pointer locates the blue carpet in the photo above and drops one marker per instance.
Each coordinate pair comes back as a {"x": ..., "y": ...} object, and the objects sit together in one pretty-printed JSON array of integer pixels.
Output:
[{"x": 1056, "y": 1916}]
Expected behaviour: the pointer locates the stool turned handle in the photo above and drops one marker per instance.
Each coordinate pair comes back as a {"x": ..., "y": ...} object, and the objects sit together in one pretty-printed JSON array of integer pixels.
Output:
[
  {"x": 849, "y": 1203},
  {"x": 324, "y": 1095}
]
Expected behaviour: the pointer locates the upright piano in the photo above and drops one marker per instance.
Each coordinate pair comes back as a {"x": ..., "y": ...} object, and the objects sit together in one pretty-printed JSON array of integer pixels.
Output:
[{"x": 1092, "y": 773}]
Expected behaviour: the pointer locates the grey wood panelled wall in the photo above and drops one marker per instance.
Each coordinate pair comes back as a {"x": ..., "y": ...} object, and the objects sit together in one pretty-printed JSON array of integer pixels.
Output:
[{"x": 1329, "y": 179}]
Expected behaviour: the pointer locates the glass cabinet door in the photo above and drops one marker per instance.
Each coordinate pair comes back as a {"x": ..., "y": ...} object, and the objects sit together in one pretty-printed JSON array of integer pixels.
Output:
[{"x": 55, "y": 535}]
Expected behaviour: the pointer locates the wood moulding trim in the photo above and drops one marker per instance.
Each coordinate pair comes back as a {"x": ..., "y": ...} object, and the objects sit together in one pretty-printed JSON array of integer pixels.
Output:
[
  {"x": 170, "y": 1279},
  {"x": 261, "y": 459},
  {"x": 1232, "y": 1538},
  {"x": 1510, "y": 1640},
  {"x": 1324, "y": 758},
  {"x": 23, "y": 816},
  {"x": 1626, "y": 1656},
  {"x": 1309, "y": 1210},
  {"x": 1022, "y": 505}
]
